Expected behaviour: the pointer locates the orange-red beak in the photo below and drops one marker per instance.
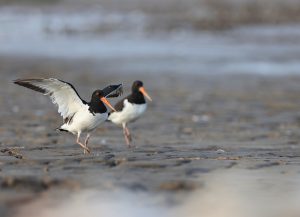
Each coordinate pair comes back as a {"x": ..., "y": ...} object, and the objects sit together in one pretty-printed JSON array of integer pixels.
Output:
[
  {"x": 143, "y": 91},
  {"x": 104, "y": 100}
]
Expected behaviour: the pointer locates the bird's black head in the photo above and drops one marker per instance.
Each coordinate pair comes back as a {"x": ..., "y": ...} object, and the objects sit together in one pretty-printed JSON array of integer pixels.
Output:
[
  {"x": 97, "y": 94},
  {"x": 97, "y": 102},
  {"x": 136, "y": 86},
  {"x": 138, "y": 89}
]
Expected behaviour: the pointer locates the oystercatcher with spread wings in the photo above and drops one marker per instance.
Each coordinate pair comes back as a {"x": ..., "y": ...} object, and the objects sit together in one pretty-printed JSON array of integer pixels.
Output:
[
  {"x": 78, "y": 115},
  {"x": 130, "y": 108}
]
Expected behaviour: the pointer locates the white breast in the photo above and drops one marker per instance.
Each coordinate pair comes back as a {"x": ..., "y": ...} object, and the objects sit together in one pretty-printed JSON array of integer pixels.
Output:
[
  {"x": 130, "y": 113},
  {"x": 85, "y": 121}
]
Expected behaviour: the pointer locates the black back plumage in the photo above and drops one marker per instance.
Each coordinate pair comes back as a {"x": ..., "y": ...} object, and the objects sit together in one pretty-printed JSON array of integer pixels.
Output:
[{"x": 136, "y": 97}]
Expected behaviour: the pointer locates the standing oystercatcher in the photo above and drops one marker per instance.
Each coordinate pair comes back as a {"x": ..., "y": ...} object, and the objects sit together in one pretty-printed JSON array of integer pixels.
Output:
[
  {"x": 78, "y": 115},
  {"x": 130, "y": 108}
]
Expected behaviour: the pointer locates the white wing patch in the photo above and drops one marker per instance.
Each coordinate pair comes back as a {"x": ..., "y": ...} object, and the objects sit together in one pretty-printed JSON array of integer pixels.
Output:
[{"x": 61, "y": 93}]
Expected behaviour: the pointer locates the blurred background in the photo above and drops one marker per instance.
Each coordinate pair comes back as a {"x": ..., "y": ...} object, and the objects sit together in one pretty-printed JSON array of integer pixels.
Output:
[
  {"x": 157, "y": 36},
  {"x": 224, "y": 122}
]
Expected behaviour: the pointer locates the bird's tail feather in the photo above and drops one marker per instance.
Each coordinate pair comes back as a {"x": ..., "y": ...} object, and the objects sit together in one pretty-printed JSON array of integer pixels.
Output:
[{"x": 61, "y": 130}]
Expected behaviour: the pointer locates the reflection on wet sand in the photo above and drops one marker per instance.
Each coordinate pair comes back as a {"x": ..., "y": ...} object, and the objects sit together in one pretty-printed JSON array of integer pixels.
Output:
[{"x": 234, "y": 193}]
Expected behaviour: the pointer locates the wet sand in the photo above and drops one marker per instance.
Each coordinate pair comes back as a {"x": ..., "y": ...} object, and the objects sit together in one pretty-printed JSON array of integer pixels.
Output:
[{"x": 197, "y": 126}]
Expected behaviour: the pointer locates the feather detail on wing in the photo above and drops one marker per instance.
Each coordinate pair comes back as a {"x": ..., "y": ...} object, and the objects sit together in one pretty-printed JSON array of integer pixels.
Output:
[
  {"x": 63, "y": 94},
  {"x": 112, "y": 91}
]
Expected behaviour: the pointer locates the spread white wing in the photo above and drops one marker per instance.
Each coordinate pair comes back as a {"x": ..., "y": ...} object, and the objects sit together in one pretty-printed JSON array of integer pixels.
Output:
[{"x": 62, "y": 93}]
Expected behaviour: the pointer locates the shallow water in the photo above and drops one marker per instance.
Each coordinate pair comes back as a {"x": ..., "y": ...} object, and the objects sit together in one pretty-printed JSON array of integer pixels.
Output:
[{"x": 264, "y": 49}]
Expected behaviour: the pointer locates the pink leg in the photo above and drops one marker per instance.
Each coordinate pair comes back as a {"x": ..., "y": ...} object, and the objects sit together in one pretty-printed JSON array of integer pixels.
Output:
[
  {"x": 125, "y": 132},
  {"x": 85, "y": 149},
  {"x": 128, "y": 134},
  {"x": 86, "y": 142}
]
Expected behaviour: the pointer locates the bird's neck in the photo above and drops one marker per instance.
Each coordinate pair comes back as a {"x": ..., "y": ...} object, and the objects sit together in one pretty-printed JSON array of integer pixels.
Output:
[
  {"x": 97, "y": 106},
  {"x": 136, "y": 98}
]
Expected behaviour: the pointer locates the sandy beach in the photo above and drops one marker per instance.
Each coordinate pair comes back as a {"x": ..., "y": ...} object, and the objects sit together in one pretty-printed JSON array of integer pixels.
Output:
[{"x": 204, "y": 132}]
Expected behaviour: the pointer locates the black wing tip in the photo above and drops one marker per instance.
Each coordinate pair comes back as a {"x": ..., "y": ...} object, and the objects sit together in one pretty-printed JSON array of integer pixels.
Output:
[
  {"x": 27, "y": 80},
  {"x": 112, "y": 91},
  {"x": 19, "y": 81},
  {"x": 26, "y": 83},
  {"x": 16, "y": 81}
]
